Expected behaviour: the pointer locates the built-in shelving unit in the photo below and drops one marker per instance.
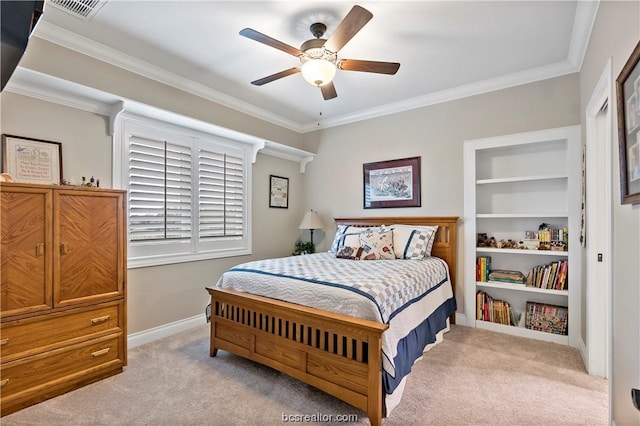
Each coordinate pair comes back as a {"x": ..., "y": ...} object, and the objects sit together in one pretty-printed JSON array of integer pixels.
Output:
[{"x": 513, "y": 184}]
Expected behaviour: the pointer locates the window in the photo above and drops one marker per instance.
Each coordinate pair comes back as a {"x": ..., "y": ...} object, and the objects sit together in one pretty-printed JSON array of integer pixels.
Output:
[{"x": 188, "y": 193}]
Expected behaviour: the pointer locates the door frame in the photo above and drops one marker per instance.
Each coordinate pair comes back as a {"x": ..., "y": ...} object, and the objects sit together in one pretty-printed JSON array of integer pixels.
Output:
[{"x": 599, "y": 127}]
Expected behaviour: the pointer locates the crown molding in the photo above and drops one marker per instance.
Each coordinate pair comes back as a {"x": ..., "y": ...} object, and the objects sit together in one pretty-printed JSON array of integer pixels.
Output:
[
  {"x": 585, "y": 18},
  {"x": 70, "y": 40},
  {"x": 486, "y": 86}
]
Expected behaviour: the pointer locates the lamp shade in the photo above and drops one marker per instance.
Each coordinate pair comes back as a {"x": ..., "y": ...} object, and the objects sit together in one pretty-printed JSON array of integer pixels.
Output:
[{"x": 311, "y": 220}]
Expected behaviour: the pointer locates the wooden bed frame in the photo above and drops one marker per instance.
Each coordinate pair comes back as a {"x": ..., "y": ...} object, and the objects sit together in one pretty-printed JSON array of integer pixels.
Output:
[{"x": 337, "y": 354}]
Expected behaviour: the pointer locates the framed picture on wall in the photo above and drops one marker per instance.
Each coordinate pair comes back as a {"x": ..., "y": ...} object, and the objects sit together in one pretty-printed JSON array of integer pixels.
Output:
[
  {"x": 392, "y": 183},
  {"x": 628, "y": 99},
  {"x": 32, "y": 160},
  {"x": 278, "y": 192}
]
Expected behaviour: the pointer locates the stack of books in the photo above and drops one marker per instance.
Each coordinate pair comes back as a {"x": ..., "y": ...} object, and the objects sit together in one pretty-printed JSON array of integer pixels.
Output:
[
  {"x": 547, "y": 318},
  {"x": 552, "y": 276},
  {"x": 483, "y": 267},
  {"x": 504, "y": 276},
  {"x": 493, "y": 310}
]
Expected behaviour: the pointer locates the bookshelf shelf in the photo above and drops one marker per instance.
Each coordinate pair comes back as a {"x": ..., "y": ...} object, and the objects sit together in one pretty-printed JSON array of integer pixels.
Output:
[
  {"x": 542, "y": 215},
  {"x": 520, "y": 179},
  {"x": 523, "y": 332},
  {"x": 522, "y": 252},
  {"x": 520, "y": 287},
  {"x": 514, "y": 184}
]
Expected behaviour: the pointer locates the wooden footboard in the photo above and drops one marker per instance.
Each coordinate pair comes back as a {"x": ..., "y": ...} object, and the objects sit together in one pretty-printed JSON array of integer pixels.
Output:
[{"x": 337, "y": 354}]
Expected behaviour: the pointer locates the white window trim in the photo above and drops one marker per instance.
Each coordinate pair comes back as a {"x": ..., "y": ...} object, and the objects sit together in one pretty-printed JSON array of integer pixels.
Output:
[{"x": 123, "y": 123}]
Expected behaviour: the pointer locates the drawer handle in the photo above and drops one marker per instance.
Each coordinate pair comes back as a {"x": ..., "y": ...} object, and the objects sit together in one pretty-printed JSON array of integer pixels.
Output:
[
  {"x": 100, "y": 320},
  {"x": 4, "y": 382},
  {"x": 63, "y": 248},
  {"x": 101, "y": 352},
  {"x": 39, "y": 249},
  {"x": 4, "y": 341}
]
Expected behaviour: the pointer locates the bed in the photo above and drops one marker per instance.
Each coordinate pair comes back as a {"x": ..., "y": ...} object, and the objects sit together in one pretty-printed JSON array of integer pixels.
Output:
[{"x": 346, "y": 356}]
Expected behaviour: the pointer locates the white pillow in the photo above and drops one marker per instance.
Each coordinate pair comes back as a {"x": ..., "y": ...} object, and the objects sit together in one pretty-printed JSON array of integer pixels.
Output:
[
  {"x": 346, "y": 235},
  {"x": 412, "y": 241}
]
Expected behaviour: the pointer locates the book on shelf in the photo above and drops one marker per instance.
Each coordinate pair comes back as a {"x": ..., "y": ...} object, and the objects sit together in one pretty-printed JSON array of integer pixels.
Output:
[
  {"x": 483, "y": 267},
  {"x": 550, "y": 276},
  {"x": 494, "y": 310},
  {"x": 547, "y": 318},
  {"x": 505, "y": 276}
]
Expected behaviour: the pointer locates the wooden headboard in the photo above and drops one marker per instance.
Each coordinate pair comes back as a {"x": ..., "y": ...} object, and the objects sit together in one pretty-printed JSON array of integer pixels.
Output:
[{"x": 444, "y": 245}]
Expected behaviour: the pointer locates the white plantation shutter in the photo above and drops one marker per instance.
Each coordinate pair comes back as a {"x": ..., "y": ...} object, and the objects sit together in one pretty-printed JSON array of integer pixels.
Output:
[
  {"x": 221, "y": 195},
  {"x": 159, "y": 190},
  {"x": 188, "y": 196}
]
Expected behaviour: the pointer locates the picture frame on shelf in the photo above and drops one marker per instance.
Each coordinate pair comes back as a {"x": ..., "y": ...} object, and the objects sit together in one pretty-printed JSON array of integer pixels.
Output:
[
  {"x": 392, "y": 183},
  {"x": 628, "y": 100},
  {"x": 278, "y": 192},
  {"x": 31, "y": 160}
]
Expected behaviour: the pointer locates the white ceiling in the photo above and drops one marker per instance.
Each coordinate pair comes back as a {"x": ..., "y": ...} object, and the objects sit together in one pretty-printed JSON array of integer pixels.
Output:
[{"x": 447, "y": 50}]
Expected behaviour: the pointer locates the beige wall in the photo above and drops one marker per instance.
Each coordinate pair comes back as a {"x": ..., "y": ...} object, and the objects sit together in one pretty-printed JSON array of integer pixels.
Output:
[
  {"x": 333, "y": 181},
  {"x": 615, "y": 34},
  {"x": 163, "y": 294}
]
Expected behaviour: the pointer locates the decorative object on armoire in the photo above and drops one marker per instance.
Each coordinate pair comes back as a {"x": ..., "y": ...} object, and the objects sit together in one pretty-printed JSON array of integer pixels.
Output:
[
  {"x": 63, "y": 318},
  {"x": 32, "y": 160},
  {"x": 311, "y": 221},
  {"x": 628, "y": 97},
  {"x": 393, "y": 183},
  {"x": 278, "y": 192}
]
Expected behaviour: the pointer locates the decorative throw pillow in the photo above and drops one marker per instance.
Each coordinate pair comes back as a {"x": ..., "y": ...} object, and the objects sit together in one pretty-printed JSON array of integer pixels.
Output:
[
  {"x": 377, "y": 243},
  {"x": 413, "y": 242},
  {"x": 348, "y": 252}
]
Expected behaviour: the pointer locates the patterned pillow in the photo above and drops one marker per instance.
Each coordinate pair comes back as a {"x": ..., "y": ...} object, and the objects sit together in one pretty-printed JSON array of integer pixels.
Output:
[
  {"x": 413, "y": 242},
  {"x": 377, "y": 243},
  {"x": 348, "y": 252}
]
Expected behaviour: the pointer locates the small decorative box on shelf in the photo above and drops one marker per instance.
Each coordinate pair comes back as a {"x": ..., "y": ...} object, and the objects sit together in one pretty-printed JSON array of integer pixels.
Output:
[{"x": 547, "y": 318}]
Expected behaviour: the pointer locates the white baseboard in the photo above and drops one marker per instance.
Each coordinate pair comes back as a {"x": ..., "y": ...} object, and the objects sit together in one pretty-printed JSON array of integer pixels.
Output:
[
  {"x": 166, "y": 330},
  {"x": 461, "y": 319},
  {"x": 582, "y": 349}
]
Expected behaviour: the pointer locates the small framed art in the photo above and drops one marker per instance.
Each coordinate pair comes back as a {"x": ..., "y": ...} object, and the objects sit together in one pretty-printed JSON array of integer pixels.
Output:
[
  {"x": 278, "y": 192},
  {"x": 32, "y": 160},
  {"x": 393, "y": 183},
  {"x": 628, "y": 98}
]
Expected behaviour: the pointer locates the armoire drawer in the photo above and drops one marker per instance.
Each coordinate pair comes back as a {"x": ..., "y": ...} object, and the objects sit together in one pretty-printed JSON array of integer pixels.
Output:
[
  {"x": 43, "y": 371},
  {"x": 30, "y": 336}
]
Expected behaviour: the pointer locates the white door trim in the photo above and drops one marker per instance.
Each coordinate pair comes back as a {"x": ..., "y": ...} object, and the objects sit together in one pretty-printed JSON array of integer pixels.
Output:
[{"x": 599, "y": 138}]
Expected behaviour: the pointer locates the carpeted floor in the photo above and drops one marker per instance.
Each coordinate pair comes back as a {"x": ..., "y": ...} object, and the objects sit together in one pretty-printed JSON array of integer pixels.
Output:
[{"x": 475, "y": 377}]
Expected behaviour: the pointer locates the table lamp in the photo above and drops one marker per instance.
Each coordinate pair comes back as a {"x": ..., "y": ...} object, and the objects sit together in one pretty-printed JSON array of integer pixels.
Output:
[{"x": 311, "y": 221}]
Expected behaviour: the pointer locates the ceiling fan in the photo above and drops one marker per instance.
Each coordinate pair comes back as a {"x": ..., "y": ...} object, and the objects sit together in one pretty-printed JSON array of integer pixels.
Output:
[{"x": 319, "y": 56}]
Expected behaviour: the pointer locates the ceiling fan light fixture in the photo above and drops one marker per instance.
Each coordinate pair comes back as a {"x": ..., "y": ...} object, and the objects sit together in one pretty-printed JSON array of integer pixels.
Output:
[{"x": 318, "y": 72}]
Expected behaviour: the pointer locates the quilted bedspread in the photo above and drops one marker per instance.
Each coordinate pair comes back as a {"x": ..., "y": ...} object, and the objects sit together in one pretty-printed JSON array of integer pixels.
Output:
[{"x": 389, "y": 285}]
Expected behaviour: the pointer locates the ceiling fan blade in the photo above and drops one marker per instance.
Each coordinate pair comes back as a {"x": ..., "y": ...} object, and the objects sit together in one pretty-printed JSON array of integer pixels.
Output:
[
  {"x": 265, "y": 39},
  {"x": 328, "y": 91},
  {"x": 275, "y": 76},
  {"x": 368, "y": 66},
  {"x": 350, "y": 25}
]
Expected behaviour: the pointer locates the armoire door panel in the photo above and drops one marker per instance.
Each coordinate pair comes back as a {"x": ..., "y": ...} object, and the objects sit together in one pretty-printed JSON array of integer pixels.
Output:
[
  {"x": 26, "y": 250},
  {"x": 89, "y": 254}
]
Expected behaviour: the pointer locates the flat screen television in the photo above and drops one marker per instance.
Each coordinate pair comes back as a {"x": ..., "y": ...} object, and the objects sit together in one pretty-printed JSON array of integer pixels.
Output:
[{"x": 19, "y": 19}]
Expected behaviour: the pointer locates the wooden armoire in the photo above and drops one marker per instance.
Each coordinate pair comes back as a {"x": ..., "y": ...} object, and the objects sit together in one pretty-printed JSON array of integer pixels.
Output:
[{"x": 63, "y": 290}]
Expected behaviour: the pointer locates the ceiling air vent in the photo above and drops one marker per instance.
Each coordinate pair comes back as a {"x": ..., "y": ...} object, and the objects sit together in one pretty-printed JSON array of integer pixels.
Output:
[{"x": 85, "y": 9}]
